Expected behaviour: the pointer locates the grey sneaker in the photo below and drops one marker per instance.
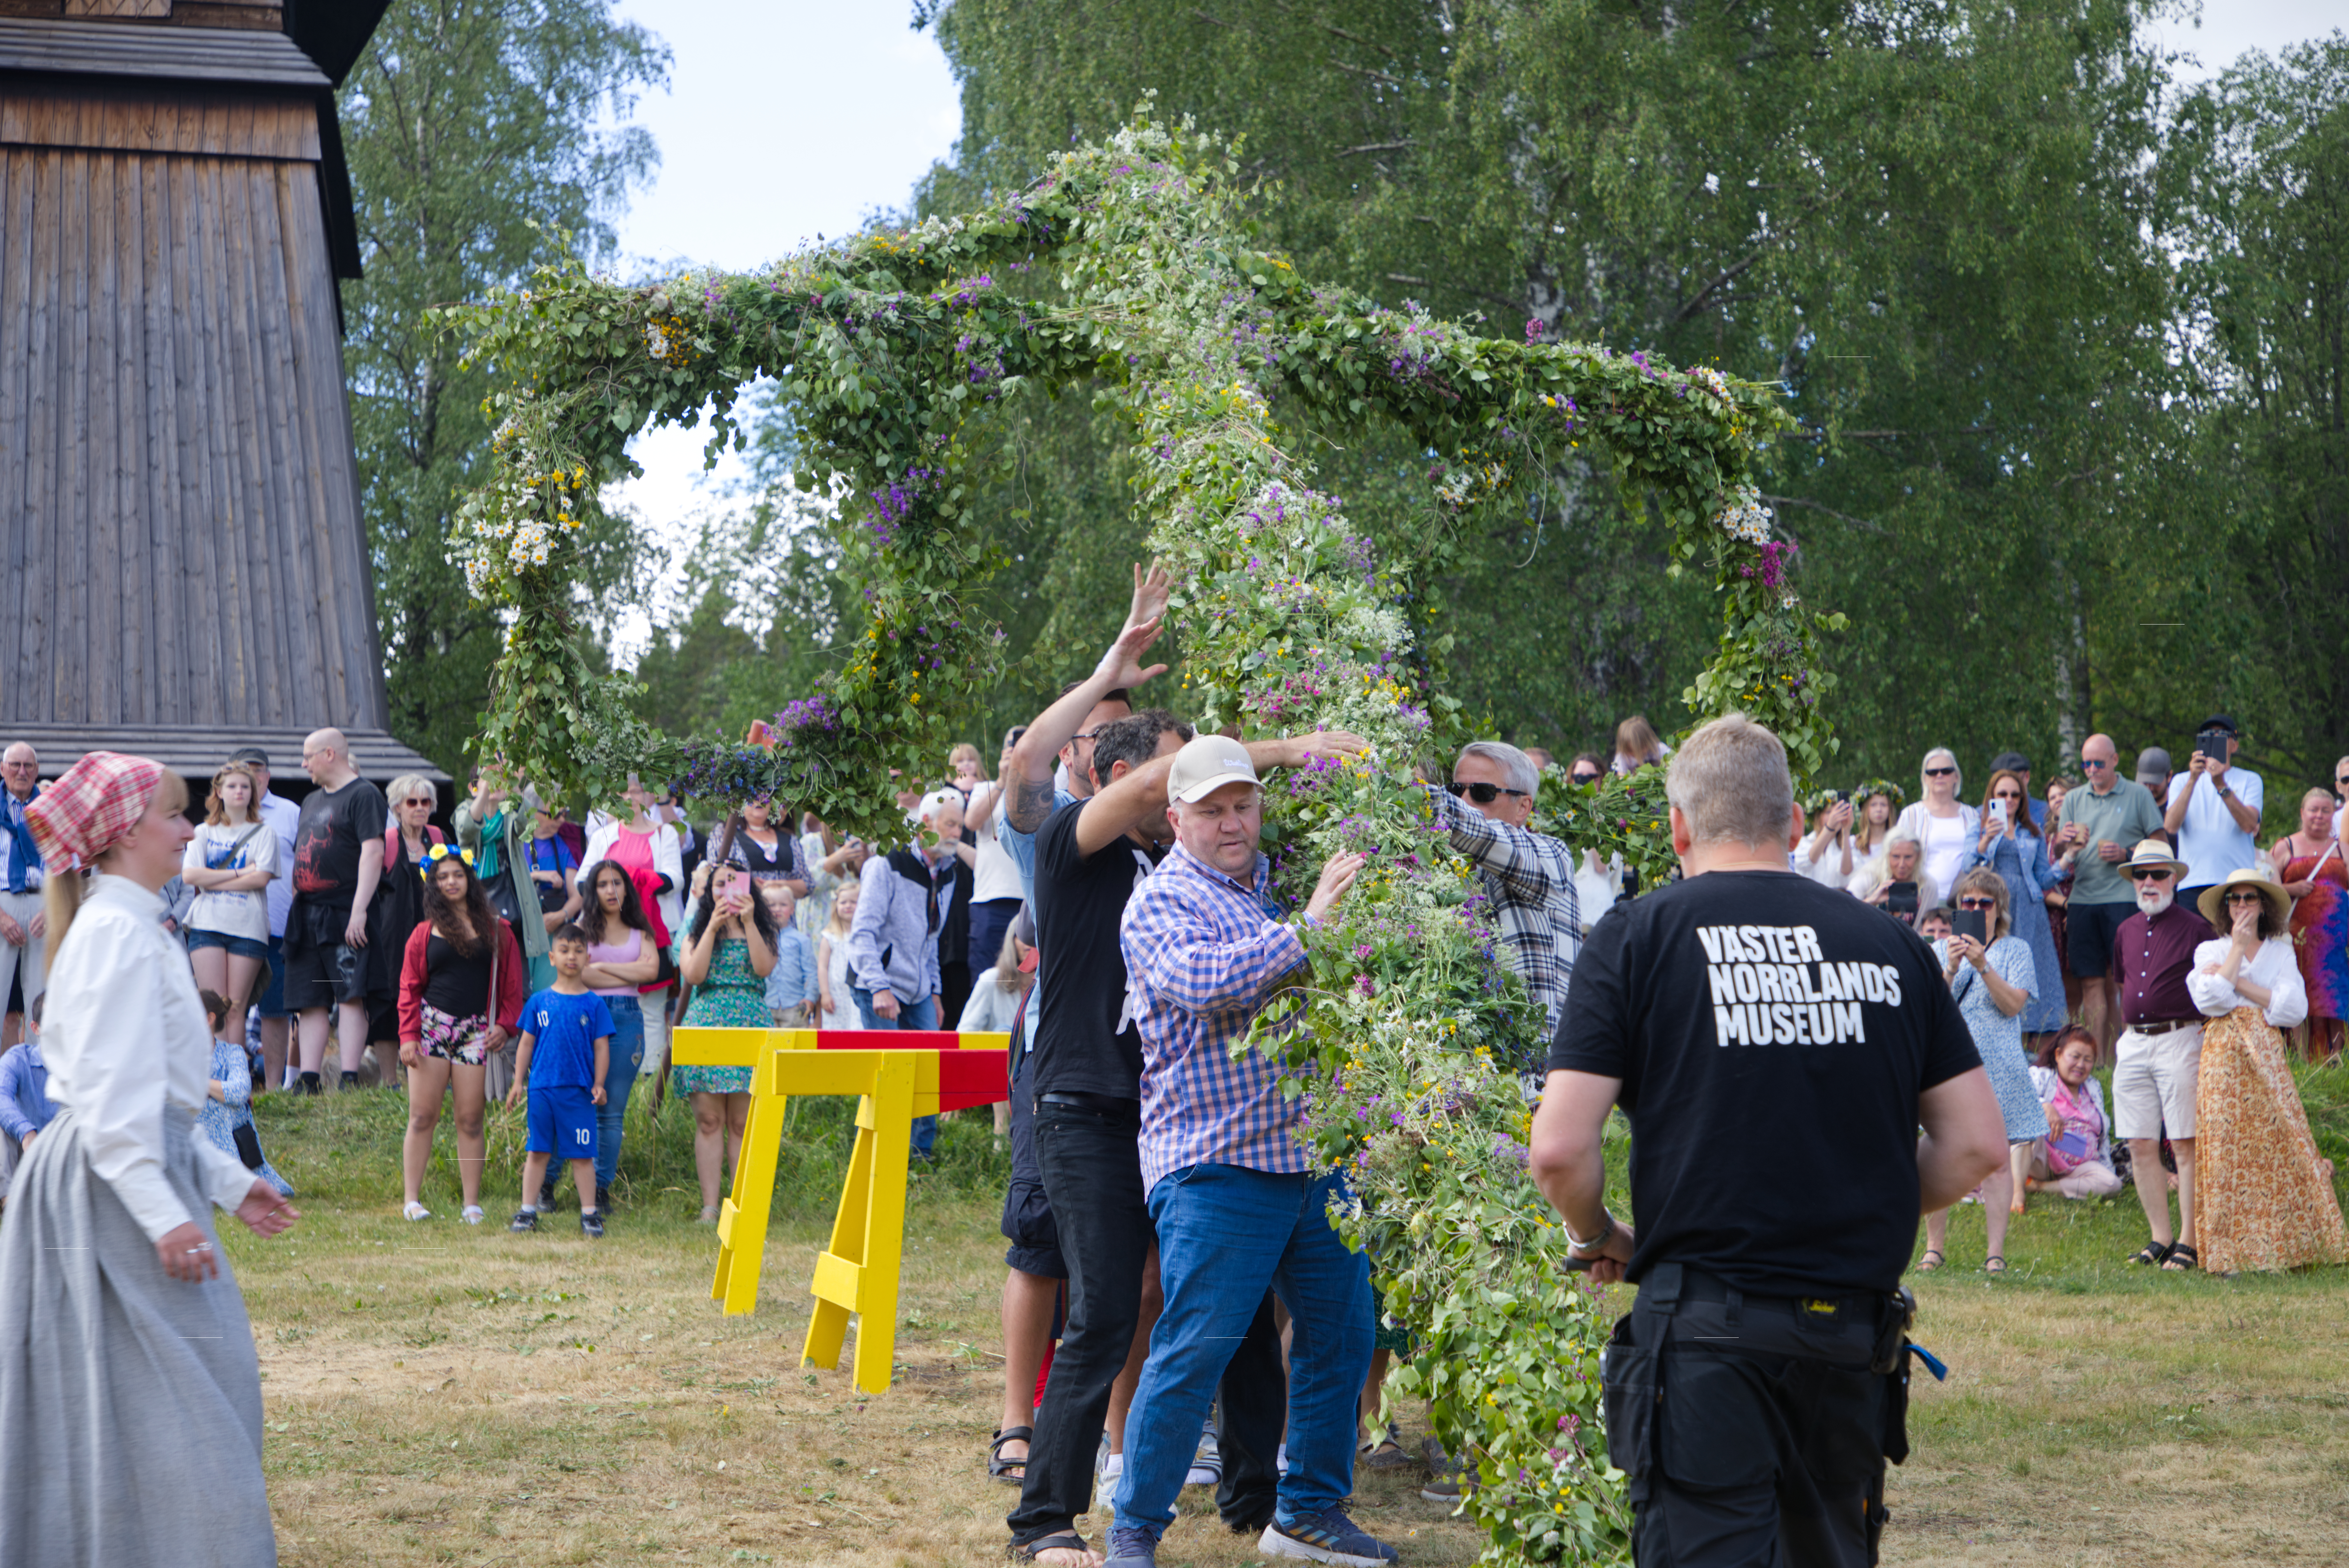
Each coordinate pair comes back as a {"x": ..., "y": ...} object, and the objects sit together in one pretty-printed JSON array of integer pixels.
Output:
[
  {"x": 1326, "y": 1537},
  {"x": 524, "y": 1220},
  {"x": 590, "y": 1225},
  {"x": 1444, "y": 1480},
  {"x": 1131, "y": 1546}
]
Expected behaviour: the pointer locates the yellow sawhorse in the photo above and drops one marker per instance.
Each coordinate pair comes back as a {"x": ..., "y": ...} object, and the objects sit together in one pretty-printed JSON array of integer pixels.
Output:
[{"x": 915, "y": 1074}]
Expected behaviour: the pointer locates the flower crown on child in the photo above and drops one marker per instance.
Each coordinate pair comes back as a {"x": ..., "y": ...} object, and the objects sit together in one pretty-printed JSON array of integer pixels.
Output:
[{"x": 436, "y": 854}]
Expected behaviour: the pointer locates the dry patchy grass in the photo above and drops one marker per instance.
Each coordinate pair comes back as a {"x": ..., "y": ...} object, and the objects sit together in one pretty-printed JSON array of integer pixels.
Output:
[{"x": 439, "y": 1394}]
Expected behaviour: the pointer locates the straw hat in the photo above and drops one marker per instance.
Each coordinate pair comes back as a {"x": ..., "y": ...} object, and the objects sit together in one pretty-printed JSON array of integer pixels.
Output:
[
  {"x": 2213, "y": 902},
  {"x": 2152, "y": 852}
]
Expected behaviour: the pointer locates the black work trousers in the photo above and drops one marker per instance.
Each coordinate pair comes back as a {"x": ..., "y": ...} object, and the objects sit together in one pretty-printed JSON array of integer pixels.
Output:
[
  {"x": 1090, "y": 1161},
  {"x": 1752, "y": 1430}
]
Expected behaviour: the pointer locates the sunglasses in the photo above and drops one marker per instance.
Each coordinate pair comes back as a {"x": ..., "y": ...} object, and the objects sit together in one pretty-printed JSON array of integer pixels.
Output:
[
  {"x": 2151, "y": 873},
  {"x": 1482, "y": 794},
  {"x": 421, "y": 801},
  {"x": 1939, "y": 772},
  {"x": 2243, "y": 898},
  {"x": 1977, "y": 904},
  {"x": 2093, "y": 762}
]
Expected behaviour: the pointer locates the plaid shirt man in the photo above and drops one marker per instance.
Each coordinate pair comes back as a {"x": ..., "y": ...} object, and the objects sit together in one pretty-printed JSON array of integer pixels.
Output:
[
  {"x": 1202, "y": 952},
  {"x": 1529, "y": 877}
]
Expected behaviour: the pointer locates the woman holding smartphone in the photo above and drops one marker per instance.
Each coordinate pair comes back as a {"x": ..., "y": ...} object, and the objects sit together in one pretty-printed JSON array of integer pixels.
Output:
[
  {"x": 728, "y": 953},
  {"x": 2010, "y": 846},
  {"x": 1826, "y": 857},
  {"x": 1988, "y": 970}
]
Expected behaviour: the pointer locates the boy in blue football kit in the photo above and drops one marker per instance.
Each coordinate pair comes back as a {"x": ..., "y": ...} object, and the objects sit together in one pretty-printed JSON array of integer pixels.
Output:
[{"x": 565, "y": 1050}]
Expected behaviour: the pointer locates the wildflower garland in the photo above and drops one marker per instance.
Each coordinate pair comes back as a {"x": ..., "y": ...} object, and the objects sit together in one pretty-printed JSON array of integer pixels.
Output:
[{"x": 1128, "y": 266}]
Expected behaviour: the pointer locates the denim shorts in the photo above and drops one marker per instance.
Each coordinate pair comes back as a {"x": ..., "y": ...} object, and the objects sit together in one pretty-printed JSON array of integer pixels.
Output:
[{"x": 237, "y": 947}]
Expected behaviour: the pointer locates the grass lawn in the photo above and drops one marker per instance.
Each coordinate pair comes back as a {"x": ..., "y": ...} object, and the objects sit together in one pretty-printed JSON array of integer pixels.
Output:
[{"x": 442, "y": 1394}]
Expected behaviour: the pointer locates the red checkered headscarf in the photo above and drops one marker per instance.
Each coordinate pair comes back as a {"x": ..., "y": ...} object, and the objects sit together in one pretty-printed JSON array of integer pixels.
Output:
[{"x": 85, "y": 813}]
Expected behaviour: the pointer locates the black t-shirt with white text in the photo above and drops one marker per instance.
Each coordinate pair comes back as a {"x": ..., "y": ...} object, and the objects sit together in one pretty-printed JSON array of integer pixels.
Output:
[
  {"x": 1084, "y": 1042},
  {"x": 336, "y": 825},
  {"x": 1772, "y": 1037}
]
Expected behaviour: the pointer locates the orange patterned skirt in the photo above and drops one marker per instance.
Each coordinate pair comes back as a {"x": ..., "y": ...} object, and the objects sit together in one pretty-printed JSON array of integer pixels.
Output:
[{"x": 2262, "y": 1195}]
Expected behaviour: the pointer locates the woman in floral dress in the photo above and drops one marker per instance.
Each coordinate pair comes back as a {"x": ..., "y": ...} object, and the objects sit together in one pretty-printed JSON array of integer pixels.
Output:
[
  {"x": 2314, "y": 871},
  {"x": 2263, "y": 1195},
  {"x": 729, "y": 951}
]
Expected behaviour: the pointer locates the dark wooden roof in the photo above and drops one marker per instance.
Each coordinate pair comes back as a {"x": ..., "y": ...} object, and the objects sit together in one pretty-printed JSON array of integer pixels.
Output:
[
  {"x": 195, "y": 752},
  {"x": 238, "y": 61}
]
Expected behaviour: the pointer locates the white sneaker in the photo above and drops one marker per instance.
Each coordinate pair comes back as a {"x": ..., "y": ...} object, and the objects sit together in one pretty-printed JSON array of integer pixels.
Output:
[
  {"x": 1208, "y": 1464},
  {"x": 472, "y": 1214},
  {"x": 417, "y": 1211}
]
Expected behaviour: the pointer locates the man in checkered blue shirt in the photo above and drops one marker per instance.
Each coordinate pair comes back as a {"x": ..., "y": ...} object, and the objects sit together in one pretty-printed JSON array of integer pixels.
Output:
[{"x": 1233, "y": 1195}]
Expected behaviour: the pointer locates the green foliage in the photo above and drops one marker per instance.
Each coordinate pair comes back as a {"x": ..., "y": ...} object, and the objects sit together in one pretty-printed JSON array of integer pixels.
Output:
[
  {"x": 461, "y": 122},
  {"x": 1216, "y": 358}
]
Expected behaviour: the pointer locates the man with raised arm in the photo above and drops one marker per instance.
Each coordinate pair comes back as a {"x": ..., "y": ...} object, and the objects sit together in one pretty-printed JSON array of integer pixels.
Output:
[
  {"x": 1082, "y": 1078},
  {"x": 1720, "y": 1012}
]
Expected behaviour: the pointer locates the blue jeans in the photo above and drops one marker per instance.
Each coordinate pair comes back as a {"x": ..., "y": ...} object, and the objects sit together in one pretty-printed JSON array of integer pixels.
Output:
[
  {"x": 921, "y": 1015},
  {"x": 1224, "y": 1233},
  {"x": 619, "y": 1077}
]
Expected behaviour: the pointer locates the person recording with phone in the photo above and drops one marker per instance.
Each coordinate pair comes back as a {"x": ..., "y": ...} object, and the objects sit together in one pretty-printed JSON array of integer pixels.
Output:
[
  {"x": 1988, "y": 972},
  {"x": 2214, "y": 809},
  {"x": 2011, "y": 846},
  {"x": 1897, "y": 882},
  {"x": 729, "y": 951},
  {"x": 1826, "y": 856}
]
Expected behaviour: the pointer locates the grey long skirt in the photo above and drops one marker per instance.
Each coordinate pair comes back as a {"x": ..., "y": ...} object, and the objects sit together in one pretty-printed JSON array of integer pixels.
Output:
[{"x": 129, "y": 1401}]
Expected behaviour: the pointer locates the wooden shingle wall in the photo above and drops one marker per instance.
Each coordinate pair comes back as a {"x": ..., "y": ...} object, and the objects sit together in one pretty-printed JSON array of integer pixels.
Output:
[{"x": 179, "y": 537}]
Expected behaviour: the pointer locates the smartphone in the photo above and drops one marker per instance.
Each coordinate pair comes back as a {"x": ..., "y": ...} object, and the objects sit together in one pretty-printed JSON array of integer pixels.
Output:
[
  {"x": 730, "y": 884},
  {"x": 2212, "y": 744},
  {"x": 1901, "y": 898},
  {"x": 1973, "y": 923},
  {"x": 1998, "y": 814},
  {"x": 1844, "y": 796}
]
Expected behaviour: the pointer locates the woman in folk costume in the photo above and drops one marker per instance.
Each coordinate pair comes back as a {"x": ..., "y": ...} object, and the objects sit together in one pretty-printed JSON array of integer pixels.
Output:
[{"x": 126, "y": 1362}]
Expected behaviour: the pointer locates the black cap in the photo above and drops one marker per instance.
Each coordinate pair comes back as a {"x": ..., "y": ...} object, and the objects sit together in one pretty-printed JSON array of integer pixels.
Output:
[
  {"x": 250, "y": 754},
  {"x": 2010, "y": 762},
  {"x": 2219, "y": 721}
]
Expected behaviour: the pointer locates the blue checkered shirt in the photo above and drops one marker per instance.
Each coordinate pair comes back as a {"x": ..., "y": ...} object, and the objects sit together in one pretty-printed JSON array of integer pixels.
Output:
[
  {"x": 1202, "y": 952},
  {"x": 1529, "y": 877}
]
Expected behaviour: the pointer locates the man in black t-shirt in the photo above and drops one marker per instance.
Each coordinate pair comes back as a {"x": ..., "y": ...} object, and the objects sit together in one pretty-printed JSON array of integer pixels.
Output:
[
  {"x": 338, "y": 862},
  {"x": 1775, "y": 1046}
]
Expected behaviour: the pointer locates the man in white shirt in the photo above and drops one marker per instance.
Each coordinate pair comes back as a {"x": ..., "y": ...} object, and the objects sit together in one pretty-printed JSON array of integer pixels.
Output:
[
  {"x": 2214, "y": 809},
  {"x": 282, "y": 817},
  {"x": 23, "y": 928}
]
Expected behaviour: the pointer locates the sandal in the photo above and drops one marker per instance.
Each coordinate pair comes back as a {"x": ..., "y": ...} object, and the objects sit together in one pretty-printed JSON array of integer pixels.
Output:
[
  {"x": 2182, "y": 1259},
  {"x": 1995, "y": 1264},
  {"x": 1933, "y": 1259},
  {"x": 1010, "y": 1472},
  {"x": 2152, "y": 1254},
  {"x": 1028, "y": 1550}
]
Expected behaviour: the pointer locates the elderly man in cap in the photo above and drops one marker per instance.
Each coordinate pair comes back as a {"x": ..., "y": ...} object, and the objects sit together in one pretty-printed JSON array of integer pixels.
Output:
[
  {"x": 2214, "y": 809},
  {"x": 283, "y": 818},
  {"x": 23, "y": 928},
  {"x": 2160, "y": 1054},
  {"x": 1237, "y": 1202}
]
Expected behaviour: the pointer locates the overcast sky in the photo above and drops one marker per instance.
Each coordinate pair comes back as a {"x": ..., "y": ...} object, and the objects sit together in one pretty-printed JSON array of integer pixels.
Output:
[{"x": 787, "y": 119}]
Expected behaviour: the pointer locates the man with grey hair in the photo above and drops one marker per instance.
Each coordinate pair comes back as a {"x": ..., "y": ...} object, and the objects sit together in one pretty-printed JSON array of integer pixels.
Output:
[
  {"x": 1528, "y": 876},
  {"x": 1744, "y": 1001},
  {"x": 23, "y": 928}
]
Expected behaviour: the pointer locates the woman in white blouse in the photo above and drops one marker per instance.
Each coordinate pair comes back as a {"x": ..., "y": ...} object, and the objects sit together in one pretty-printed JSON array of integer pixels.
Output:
[
  {"x": 1944, "y": 826},
  {"x": 2263, "y": 1195},
  {"x": 126, "y": 1358}
]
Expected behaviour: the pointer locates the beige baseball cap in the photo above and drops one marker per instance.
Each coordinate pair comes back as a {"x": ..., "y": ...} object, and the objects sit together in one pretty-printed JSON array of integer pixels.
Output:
[{"x": 1205, "y": 765}]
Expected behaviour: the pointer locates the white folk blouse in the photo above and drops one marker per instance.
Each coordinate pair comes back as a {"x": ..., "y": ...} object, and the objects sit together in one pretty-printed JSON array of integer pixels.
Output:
[
  {"x": 124, "y": 1036},
  {"x": 2273, "y": 966}
]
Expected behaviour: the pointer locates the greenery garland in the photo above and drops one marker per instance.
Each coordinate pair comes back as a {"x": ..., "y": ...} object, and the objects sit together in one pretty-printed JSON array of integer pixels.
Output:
[{"x": 1132, "y": 265}]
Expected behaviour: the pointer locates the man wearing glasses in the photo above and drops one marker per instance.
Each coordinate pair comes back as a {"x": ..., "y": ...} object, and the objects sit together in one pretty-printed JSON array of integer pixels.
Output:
[
  {"x": 22, "y": 926},
  {"x": 2096, "y": 827},
  {"x": 2159, "y": 1063},
  {"x": 1528, "y": 876},
  {"x": 2214, "y": 809}
]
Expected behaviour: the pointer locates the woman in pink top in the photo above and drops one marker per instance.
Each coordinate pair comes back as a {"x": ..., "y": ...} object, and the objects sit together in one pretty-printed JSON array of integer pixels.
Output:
[{"x": 621, "y": 956}]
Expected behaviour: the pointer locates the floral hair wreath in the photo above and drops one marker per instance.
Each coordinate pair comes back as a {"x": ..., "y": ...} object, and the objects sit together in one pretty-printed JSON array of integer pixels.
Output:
[{"x": 436, "y": 854}]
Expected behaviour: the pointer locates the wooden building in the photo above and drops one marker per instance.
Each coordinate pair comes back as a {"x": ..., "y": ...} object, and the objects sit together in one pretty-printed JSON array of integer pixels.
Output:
[{"x": 182, "y": 564}]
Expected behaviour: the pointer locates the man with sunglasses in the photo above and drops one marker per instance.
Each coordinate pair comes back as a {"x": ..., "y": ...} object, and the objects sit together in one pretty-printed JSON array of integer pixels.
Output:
[
  {"x": 2095, "y": 827},
  {"x": 2214, "y": 809},
  {"x": 21, "y": 925},
  {"x": 1528, "y": 876},
  {"x": 2157, "y": 1068}
]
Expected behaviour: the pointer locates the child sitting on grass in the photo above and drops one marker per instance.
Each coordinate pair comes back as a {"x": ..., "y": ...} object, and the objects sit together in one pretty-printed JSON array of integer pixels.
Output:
[
  {"x": 227, "y": 1118},
  {"x": 565, "y": 1054}
]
